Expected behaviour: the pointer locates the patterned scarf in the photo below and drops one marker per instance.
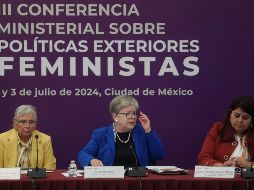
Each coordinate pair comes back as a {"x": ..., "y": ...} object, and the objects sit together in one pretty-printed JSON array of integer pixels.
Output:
[{"x": 24, "y": 150}]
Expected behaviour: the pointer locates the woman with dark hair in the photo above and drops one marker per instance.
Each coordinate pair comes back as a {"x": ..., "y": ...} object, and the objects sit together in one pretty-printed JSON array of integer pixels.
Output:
[{"x": 231, "y": 142}]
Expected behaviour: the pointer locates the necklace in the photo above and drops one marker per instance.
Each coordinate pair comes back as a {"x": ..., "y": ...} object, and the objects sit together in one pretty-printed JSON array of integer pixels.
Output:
[
  {"x": 122, "y": 140},
  {"x": 116, "y": 135}
]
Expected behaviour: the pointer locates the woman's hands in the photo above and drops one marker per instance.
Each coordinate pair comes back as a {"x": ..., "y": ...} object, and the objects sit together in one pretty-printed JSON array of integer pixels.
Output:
[
  {"x": 145, "y": 122},
  {"x": 235, "y": 162},
  {"x": 230, "y": 163},
  {"x": 241, "y": 162},
  {"x": 96, "y": 162}
]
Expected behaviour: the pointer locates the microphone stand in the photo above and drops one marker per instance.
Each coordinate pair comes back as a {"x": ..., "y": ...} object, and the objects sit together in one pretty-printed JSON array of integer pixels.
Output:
[
  {"x": 36, "y": 172},
  {"x": 136, "y": 161},
  {"x": 37, "y": 150},
  {"x": 248, "y": 173},
  {"x": 138, "y": 171}
]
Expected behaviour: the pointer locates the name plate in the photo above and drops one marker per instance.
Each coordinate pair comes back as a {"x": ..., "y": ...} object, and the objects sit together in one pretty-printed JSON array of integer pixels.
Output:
[
  {"x": 214, "y": 172},
  {"x": 104, "y": 172},
  {"x": 9, "y": 173}
]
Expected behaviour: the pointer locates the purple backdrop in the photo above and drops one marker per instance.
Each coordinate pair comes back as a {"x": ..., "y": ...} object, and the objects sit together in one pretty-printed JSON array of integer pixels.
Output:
[{"x": 224, "y": 30}]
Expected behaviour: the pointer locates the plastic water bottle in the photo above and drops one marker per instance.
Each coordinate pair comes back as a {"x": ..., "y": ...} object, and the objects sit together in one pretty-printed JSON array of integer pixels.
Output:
[{"x": 72, "y": 169}]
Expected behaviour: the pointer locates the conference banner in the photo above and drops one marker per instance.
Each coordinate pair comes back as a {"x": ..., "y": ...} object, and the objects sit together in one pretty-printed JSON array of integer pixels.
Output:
[{"x": 183, "y": 60}]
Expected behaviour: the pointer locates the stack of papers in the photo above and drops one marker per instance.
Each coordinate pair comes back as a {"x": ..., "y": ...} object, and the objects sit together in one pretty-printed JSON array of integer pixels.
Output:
[{"x": 168, "y": 170}]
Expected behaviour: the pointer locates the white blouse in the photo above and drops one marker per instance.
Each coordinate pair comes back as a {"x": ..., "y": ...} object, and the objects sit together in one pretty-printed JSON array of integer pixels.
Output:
[{"x": 240, "y": 150}]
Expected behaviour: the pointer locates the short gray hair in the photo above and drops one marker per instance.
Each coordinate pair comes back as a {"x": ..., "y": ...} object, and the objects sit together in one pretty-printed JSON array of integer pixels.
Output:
[
  {"x": 23, "y": 110},
  {"x": 122, "y": 101}
]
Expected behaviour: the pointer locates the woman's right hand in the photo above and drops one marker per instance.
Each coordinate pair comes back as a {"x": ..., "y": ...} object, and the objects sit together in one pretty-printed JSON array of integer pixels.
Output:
[
  {"x": 219, "y": 165},
  {"x": 230, "y": 163},
  {"x": 96, "y": 162},
  {"x": 227, "y": 163}
]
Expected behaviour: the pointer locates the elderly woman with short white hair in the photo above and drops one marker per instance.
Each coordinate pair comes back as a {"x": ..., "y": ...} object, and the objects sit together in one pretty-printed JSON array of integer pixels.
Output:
[{"x": 18, "y": 145}]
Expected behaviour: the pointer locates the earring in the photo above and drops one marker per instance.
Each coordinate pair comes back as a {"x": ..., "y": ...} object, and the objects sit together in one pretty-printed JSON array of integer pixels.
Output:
[
  {"x": 116, "y": 120},
  {"x": 251, "y": 125}
]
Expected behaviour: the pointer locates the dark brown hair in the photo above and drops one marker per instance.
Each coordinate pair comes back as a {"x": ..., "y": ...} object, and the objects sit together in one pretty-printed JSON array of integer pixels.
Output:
[{"x": 246, "y": 103}]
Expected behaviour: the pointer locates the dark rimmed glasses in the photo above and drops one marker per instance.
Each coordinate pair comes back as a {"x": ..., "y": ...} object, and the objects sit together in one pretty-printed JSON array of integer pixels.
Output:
[{"x": 130, "y": 115}]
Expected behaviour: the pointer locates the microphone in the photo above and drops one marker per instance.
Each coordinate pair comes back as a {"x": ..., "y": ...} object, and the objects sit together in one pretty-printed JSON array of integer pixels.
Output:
[
  {"x": 135, "y": 171},
  {"x": 133, "y": 152},
  {"x": 37, "y": 150},
  {"x": 248, "y": 173},
  {"x": 36, "y": 172}
]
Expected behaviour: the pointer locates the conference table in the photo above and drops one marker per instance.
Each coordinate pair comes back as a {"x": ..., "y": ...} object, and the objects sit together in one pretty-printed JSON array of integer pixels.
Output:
[{"x": 56, "y": 181}]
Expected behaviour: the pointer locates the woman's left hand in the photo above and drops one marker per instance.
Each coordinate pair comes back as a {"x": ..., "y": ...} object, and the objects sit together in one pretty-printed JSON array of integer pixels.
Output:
[
  {"x": 241, "y": 162},
  {"x": 145, "y": 122}
]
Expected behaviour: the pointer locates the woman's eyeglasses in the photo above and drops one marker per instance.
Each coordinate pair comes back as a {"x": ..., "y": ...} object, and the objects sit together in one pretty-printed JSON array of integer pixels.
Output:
[
  {"x": 26, "y": 122},
  {"x": 130, "y": 115}
]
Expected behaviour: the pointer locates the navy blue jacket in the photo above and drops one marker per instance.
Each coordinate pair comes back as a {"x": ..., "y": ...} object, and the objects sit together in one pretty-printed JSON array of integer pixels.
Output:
[{"x": 102, "y": 146}]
